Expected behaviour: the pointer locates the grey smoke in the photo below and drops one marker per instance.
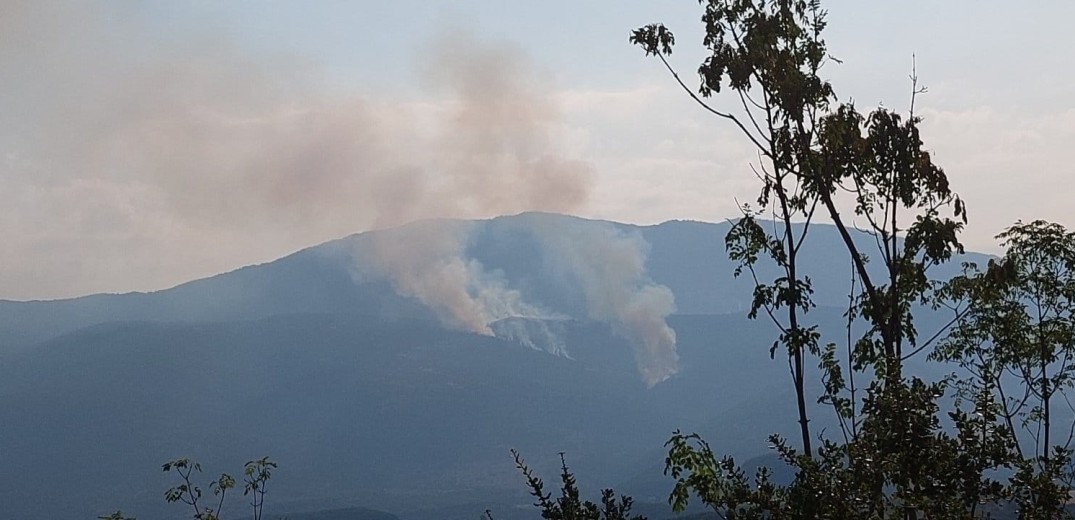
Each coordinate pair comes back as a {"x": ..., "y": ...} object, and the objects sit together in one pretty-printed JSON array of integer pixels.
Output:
[
  {"x": 609, "y": 266},
  {"x": 160, "y": 158},
  {"x": 426, "y": 261},
  {"x": 499, "y": 153},
  {"x": 166, "y": 157},
  {"x": 546, "y": 334}
]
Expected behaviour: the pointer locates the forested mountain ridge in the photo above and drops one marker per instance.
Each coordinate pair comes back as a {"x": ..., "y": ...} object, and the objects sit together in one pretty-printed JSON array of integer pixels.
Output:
[{"x": 369, "y": 396}]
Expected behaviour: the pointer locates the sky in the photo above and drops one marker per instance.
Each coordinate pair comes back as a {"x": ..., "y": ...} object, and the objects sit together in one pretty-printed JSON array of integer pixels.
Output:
[{"x": 145, "y": 144}]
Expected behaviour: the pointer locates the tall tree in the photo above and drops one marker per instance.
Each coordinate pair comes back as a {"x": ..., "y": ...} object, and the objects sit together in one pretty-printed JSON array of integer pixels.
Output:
[
  {"x": 765, "y": 55},
  {"x": 1015, "y": 339},
  {"x": 900, "y": 456}
]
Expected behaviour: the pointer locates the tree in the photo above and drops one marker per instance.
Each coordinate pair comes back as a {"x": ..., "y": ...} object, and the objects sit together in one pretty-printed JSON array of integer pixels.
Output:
[
  {"x": 189, "y": 493},
  {"x": 900, "y": 453},
  {"x": 1016, "y": 342},
  {"x": 256, "y": 474},
  {"x": 569, "y": 505}
]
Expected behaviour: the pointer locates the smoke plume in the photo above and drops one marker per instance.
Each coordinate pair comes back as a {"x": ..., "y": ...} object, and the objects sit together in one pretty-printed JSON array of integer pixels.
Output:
[
  {"x": 166, "y": 156},
  {"x": 498, "y": 153},
  {"x": 609, "y": 266},
  {"x": 163, "y": 156},
  {"x": 426, "y": 260}
]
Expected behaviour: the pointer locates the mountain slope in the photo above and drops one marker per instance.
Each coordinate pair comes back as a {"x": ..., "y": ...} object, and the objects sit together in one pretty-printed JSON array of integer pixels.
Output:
[
  {"x": 352, "y": 408},
  {"x": 369, "y": 396},
  {"x": 686, "y": 257}
]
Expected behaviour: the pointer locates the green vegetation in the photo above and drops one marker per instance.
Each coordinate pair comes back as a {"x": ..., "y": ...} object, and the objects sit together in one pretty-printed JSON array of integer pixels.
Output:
[
  {"x": 256, "y": 475},
  {"x": 983, "y": 441},
  {"x": 569, "y": 505},
  {"x": 907, "y": 447}
]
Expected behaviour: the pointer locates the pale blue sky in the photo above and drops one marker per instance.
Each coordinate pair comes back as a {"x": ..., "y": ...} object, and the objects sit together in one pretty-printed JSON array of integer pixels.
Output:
[
  {"x": 148, "y": 143},
  {"x": 995, "y": 48}
]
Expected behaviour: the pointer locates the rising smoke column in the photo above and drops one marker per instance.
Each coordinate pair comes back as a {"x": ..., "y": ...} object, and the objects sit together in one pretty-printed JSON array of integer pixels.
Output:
[
  {"x": 502, "y": 156},
  {"x": 502, "y": 149},
  {"x": 170, "y": 156},
  {"x": 164, "y": 156},
  {"x": 609, "y": 266},
  {"x": 426, "y": 261},
  {"x": 499, "y": 151}
]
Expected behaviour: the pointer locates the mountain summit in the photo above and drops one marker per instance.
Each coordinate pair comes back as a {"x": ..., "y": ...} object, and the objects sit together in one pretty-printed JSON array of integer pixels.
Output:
[{"x": 395, "y": 369}]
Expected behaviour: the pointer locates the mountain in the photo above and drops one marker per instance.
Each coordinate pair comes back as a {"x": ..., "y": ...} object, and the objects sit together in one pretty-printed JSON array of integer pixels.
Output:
[
  {"x": 362, "y": 369},
  {"x": 687, "y": 257}
]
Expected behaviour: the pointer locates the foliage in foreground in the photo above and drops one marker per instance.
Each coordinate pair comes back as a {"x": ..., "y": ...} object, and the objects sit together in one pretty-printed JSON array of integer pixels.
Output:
[
  {"x": 965, "y": 446},
  {"x": 569, "y": 505},
  {"x": 256, "y": 475},
  {"x": 984, "y": 438}
]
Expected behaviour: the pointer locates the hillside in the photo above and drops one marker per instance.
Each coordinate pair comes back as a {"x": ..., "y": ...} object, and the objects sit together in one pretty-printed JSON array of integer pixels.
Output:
[{"x": 370, "y": 396}]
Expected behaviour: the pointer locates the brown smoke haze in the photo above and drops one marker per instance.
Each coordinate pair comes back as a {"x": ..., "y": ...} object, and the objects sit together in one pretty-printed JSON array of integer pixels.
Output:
[{"x": 135, "y": 161}]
